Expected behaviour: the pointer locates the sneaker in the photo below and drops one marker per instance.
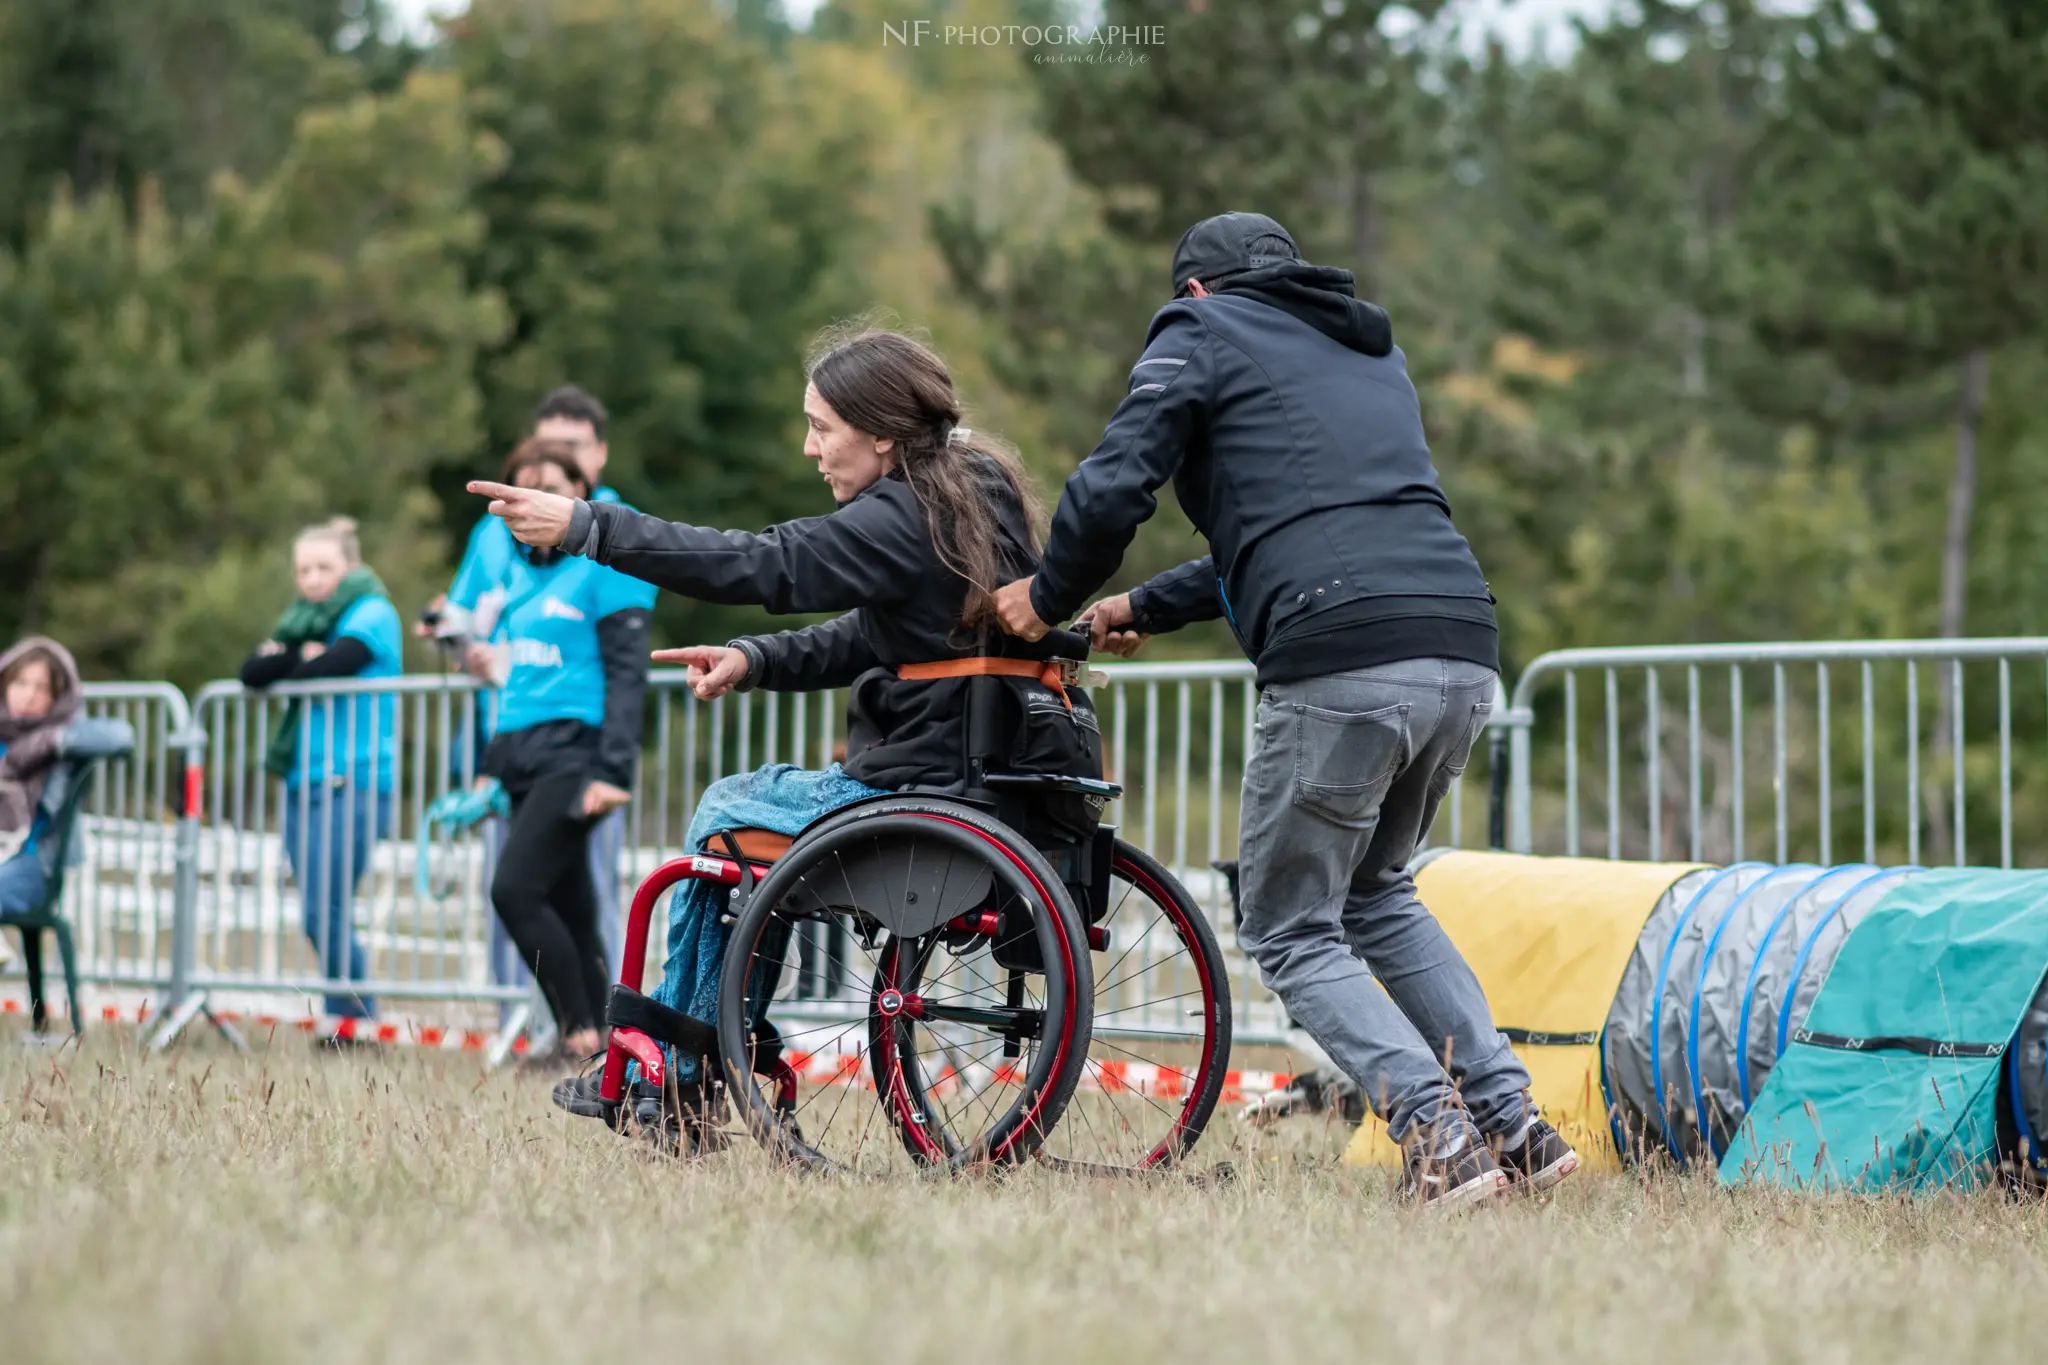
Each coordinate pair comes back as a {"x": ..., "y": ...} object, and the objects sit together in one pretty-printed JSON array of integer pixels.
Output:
[
  {"x": 1301, "y": 1095},
  {"x": 680, "y": 1125},
  {"x": 1343, "y": 1095},
  {"x": 1536, "y": 1159},
  {"x": 1451, "y": 1168},
  {"x": 582, "y": 1095},
  {"x": 544, "y": 1062}
]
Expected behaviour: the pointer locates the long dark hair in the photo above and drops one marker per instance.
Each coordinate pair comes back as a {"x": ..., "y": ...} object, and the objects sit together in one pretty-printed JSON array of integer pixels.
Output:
[
  {"x": 533, "y": 452},
  {"x": 893, "y": 387}
]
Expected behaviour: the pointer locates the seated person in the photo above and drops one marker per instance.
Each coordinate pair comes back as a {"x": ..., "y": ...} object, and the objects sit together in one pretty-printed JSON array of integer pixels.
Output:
[
  {"x": 42, "y": 739},
  {"x": 931, "y": 518},
  {"x": 39, "y": 695}
]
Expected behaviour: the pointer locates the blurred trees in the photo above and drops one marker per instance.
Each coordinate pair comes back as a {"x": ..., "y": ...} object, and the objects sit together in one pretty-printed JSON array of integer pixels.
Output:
[
  {"x": 179, "y": 394},
  {"x": 670, "y": 227},
  {"x": 1703, "y": 315},
  {"x": 107, "y": 95},
  {"x": 1903, "y": 224}
]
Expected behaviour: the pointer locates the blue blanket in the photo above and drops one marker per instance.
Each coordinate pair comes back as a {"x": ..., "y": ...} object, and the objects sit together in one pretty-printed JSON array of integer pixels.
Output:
[{"x": 780, "y": 797}]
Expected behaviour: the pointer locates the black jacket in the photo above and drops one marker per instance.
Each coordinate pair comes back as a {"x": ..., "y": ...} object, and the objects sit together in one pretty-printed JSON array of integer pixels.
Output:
[
  {"x": 1284, "y": 415},
  {"x": 872, "y": 559}
]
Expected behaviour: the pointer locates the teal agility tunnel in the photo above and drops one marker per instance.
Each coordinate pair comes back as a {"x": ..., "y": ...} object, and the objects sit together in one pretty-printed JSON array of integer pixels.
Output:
[{"x": 1848, "y": 1027}]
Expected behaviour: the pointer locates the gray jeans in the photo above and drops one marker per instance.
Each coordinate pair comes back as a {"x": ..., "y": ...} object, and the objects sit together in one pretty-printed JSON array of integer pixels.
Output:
[{"x": 1345, "y": 777}]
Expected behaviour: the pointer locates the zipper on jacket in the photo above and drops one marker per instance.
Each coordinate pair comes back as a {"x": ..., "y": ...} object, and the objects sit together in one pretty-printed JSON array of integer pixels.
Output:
[{"x": 1231, "y": 616}]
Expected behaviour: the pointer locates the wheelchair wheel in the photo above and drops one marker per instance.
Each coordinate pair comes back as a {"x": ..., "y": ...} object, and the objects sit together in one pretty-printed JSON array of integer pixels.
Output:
[
  {"x": 1160, "y": 1039},
  {"x": 935, "y": 1001}
]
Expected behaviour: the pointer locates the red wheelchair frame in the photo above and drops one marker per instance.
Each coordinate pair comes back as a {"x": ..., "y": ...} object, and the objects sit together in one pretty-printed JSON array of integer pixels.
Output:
[{"x": 630, "y": 1044}]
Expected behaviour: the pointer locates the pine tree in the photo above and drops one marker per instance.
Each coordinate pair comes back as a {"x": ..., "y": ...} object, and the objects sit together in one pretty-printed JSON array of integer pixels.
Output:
[
  {"x": 108, "y": 95},
  {"x": 1906, "y": 229},
  {"x": 177, "y": 398},
  {"x": 670, "y": 229}
]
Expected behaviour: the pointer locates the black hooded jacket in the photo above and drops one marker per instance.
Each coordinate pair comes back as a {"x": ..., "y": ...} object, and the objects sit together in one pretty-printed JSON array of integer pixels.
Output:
[
  {"x": 872, "y": 559},
  {"x": 1283, "y": 412}
]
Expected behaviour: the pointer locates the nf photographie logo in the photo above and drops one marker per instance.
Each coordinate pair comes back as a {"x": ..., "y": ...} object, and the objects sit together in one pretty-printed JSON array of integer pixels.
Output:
[{"x": 1054, "y": 43}]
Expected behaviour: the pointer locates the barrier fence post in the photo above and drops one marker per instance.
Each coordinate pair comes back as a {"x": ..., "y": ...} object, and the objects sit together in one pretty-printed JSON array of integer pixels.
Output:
[
  {"x": 1519, "y": 796},
  {"x": 184, "y": 1000},
  {"x": 1497, "y": 792}
]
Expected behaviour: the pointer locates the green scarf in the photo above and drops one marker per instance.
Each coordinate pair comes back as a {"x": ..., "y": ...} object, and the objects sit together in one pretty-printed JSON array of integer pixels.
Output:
[{"x": 303, "y": 623}]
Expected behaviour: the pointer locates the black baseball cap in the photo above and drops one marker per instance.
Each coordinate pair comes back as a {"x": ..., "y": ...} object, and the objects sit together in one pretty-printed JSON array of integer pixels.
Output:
[{"x": 1216, "y": 248}]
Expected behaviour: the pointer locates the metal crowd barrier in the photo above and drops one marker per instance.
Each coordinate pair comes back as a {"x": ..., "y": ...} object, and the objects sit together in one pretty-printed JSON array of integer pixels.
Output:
[
  {"x": 122, "y": 896},
  {"x": 1894, "y": 751},
  {"x": 189, "y": 885},
  {"x": 251, "y": 929}
]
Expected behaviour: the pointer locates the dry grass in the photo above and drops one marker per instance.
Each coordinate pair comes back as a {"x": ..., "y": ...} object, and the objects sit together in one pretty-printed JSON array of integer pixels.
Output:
[{"x": 204, "y": 1207}]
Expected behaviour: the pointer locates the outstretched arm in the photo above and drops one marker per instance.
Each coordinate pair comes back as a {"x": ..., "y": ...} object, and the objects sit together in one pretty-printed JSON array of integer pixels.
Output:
[
  {"x": 870, "y": 551},
  {"x": 1113, "y": 492},
  {"x": 832, "y": 654},
  {"x": 829, "y": 655}
]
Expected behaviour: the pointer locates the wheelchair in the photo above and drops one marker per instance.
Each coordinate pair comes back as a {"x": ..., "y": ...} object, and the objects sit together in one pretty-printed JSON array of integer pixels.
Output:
[{"x": 922, "y": 982}]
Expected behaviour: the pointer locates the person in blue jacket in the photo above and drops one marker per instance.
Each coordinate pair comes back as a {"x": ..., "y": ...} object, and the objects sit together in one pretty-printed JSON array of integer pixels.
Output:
[
  {"x": 569, "y": 417},
  {"x": 567, "y": 741},
  {"x": 468, "y": 614},
  {"x": 335, "y": 753}
]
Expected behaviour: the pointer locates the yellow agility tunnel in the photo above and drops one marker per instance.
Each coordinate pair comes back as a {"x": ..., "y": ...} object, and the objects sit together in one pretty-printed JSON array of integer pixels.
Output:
[{"x": 1549, "y": 939}]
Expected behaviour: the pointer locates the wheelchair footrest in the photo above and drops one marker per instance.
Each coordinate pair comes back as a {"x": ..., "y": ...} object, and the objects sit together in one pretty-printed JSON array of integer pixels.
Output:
[
  {"x": 690, "y": 1036},
  {"x": 643, "y": 1050}
]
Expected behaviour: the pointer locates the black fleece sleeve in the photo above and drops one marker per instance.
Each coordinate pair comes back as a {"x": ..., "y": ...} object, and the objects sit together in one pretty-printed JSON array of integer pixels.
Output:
[
  {"x": 831, "y": 654},
  {"x": 1113, "y": 492},
  {"x": 1179, "y": 597},
  {"x": 260, "y": 670},
  {"x": 344, "y": 658},
  {"x": 873, "y": 551},
  {"x": 622, "y": 645}
]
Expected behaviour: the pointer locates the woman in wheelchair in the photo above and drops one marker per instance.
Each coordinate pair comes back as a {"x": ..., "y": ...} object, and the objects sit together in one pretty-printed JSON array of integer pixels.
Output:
[{"x": 973, "y": 766}]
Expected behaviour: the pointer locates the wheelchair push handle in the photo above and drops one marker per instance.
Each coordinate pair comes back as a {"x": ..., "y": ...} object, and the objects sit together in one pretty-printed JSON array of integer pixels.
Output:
[{"x": 1069, "y": 644}]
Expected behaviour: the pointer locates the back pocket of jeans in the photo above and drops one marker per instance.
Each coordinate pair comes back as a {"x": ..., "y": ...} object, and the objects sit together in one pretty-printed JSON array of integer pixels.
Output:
[
  {"x": 1344, "y": 761},
  {"x": 1457, "y": 760}
]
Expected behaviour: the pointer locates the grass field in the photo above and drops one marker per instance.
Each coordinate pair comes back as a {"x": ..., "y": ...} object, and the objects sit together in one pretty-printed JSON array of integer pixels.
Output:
[{"x": 204, "y": 1207}]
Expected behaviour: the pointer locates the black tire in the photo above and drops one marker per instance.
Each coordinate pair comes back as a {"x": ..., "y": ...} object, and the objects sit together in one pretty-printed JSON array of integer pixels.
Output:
[{"x": 987, "y": 1127}]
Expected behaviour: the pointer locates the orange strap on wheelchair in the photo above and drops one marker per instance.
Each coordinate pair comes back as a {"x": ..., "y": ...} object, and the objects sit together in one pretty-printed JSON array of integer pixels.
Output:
[{"x": 988, "y": 666}]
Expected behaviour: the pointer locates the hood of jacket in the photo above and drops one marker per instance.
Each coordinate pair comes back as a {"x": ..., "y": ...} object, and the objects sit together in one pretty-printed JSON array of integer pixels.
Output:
[{"x": 1322, "y": 296}]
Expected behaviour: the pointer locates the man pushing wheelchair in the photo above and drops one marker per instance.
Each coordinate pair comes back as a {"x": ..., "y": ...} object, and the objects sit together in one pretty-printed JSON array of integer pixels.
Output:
[{"x": 1282, "y": 411}]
